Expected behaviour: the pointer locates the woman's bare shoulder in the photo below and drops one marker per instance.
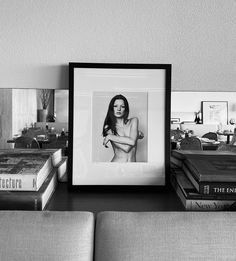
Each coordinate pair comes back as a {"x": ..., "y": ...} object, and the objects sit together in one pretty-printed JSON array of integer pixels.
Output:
[
  {"x": 133, "y": 120},
  {"x": 108, "y": 130}
]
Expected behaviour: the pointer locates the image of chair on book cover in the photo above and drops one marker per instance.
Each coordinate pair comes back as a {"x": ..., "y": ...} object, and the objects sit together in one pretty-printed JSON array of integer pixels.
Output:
[
  {"x": 210, "y": 136},
  {"x": 26, "y": 142},
  {"x": 191, "y": 143}
]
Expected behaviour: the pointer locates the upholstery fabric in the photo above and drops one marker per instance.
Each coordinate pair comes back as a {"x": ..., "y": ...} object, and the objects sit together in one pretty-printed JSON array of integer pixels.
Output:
[
  {"x": 44, "y": 235},
  {"x": 149, "y": 236}
]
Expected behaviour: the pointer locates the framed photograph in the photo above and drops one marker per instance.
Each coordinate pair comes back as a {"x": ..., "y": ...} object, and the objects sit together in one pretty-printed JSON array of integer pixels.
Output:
[
  {"x": 119, "y": 129},
  {"x": 215, "y": 112}
]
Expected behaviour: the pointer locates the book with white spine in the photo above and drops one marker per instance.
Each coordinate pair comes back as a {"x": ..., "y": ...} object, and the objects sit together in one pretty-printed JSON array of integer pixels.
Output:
[{"x": 26, "y": 170}]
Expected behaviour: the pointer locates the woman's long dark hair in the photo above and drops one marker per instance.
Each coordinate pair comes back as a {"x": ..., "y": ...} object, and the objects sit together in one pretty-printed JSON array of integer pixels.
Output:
[{"x": 110, "y": 120}]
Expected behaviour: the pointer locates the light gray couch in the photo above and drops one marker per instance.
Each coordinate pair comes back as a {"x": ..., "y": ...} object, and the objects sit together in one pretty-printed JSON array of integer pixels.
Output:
[{"x": 117, "y": 236}]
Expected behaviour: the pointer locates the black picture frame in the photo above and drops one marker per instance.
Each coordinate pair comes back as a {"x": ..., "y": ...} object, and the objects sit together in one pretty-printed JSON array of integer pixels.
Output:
[{"x": 87, "y": 84}]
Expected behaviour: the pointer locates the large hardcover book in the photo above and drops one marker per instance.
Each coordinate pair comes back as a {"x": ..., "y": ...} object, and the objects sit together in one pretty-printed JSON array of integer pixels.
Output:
[
  {"x": 210, "y": 187},
  {"x": 213, "y": 168},
  {"x": 23, "y": 170},
  {"x": 178, "y": 157},
  {"x": 62, "y": 170},
  {"x": 183, "y": 154},
  {"x": 30, "y": 200},
  {"x": 193, "y": 200}
]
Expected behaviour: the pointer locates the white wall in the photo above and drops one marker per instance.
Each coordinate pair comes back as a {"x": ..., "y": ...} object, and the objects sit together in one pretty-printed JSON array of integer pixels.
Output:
[{"x": 39, "y": 38}]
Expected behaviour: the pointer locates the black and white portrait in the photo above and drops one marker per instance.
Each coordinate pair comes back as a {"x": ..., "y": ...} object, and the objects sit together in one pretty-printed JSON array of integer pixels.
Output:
[{"x": 119, "y": 129}]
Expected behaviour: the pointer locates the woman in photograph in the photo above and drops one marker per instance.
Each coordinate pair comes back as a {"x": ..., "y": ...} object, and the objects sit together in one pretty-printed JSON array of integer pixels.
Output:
[{"x": 120, "y": 131}]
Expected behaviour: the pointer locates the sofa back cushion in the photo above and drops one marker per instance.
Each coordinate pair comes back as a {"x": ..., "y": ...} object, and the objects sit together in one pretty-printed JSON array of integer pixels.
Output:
[
  {"x": 28, "y": 235},
  {"x": 149, "y": 236}
]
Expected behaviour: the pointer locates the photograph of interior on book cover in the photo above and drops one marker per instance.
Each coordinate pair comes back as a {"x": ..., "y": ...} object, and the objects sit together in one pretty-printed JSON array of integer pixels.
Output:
[{"x": 119, "y": 124}]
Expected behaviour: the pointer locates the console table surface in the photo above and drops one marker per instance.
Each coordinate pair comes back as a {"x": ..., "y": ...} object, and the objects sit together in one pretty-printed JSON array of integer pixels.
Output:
[{"x": 64, "y": 200}]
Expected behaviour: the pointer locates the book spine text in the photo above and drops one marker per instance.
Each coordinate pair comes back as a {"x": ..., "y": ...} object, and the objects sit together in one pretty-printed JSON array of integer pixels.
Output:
[
  {"x": 207, "y": 205},
  {"x": 21, "y": 182},
  {"x": 217, "y": 189}
]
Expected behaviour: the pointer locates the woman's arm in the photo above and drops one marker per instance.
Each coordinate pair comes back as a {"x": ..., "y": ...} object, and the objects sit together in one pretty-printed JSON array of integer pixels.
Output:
[
  {"x": 128, "y": 140},
  {"x": 140, "y": 135},
  {"x": 125, "y": 143}
]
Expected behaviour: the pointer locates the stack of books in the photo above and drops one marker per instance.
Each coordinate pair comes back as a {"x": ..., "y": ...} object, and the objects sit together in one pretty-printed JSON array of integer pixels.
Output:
[
  {"x": 204, "y": 180},
  {"x": 28, "y": 177}
]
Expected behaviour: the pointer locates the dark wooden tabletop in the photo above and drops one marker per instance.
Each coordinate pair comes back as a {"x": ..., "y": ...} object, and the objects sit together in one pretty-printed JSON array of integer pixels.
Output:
[{"x": 64, "y": 200}]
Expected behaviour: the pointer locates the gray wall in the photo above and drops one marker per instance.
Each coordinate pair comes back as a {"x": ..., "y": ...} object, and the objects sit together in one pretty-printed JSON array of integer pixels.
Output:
[{"x": 39, "y": 38}]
